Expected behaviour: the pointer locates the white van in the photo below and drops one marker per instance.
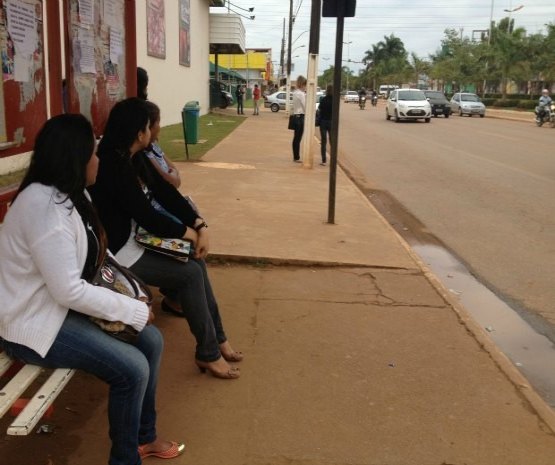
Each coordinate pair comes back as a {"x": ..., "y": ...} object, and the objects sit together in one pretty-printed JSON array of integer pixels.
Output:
[{"x": 385, "y": 89}]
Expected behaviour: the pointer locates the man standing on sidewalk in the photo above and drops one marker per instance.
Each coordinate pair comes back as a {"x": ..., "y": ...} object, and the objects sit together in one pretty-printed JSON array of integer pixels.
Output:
[
  {"x": 256, "y": 98},
  {"x": 239, "y": 96}
]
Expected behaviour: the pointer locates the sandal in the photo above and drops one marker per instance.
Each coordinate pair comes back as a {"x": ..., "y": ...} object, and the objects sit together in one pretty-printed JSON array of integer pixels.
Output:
[
  {"x": 174, "y": 451},
  {"x": 166, "y": 308}
]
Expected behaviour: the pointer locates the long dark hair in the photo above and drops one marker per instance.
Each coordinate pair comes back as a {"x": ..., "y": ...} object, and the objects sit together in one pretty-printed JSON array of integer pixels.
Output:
[
  {"x": 127, "y": 118},
  {"x": 63, "y": 147}
]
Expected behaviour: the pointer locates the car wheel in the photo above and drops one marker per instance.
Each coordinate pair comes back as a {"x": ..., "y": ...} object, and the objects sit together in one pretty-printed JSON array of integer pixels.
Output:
[
  {"x": 387, "y": 117},
  {"x": 427, "y": 120},
  {"x": 397, "y": 120},
  {"x": 447, "y": 115},
  {"x": 481, "y": 116},
  {"x": 460, "y": 112},
  {"x": 274, "y": 107}
]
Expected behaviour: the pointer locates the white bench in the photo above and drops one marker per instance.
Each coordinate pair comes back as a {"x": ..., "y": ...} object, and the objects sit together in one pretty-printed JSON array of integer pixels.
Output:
[{"x": 39, "y": 403}]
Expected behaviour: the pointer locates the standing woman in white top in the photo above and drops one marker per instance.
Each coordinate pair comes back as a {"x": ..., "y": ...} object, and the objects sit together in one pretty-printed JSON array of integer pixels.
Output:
[
  {"x": 299, "y": 99},
  {"x": 50, "y": 243}
]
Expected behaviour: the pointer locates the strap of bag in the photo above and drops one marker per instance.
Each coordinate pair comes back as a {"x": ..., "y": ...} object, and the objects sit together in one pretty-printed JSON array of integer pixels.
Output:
[{"x": 132, "y": 278}]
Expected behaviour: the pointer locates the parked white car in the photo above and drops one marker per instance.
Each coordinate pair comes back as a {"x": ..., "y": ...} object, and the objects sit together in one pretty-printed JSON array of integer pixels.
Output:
[
  {"x": 467, "y": 104},
  {"x": 408, "y": 104}
]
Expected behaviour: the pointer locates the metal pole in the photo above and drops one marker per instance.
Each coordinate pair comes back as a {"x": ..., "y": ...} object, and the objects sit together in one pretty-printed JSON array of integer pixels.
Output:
[
  {"x": 288, "y": 91},
  {"x": 334, "y": 133}
]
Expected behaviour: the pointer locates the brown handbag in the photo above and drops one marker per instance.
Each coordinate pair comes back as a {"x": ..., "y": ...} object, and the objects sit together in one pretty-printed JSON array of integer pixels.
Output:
[{"x": 111, "y": 275}]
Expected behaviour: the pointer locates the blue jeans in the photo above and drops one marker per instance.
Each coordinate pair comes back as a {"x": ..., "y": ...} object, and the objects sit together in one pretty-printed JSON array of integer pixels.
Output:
[
  {"x": 131, "y": 371},
  {"x": 188, "y": 284},
  {"x": 298, "y": 135}
]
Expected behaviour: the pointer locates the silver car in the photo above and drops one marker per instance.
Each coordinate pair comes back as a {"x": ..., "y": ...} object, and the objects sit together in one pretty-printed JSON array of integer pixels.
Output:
[
  {"x": 276, "y": 101},
  {"x": 465, "y": 103}
]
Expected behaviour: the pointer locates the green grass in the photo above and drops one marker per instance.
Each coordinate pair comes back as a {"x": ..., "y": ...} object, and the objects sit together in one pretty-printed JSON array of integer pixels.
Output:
[{"x": 212, "y": 129}]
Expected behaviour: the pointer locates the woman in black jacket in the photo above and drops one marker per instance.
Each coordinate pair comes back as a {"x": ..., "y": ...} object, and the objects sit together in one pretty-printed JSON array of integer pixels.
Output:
[
  {"x": 125, "y": 186},
  {"x": 324, "y": 110}
]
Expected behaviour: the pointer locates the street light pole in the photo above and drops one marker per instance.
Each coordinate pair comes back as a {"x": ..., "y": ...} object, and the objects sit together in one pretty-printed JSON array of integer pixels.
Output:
[
  {"x": 348, "y": 44},
  {"x": 289, "y": 45}
]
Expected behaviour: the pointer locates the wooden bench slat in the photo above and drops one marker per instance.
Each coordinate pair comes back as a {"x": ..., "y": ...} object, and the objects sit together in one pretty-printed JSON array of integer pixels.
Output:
[
  {"x": 17, "y": 386},
  {"x": 5, "y": 363},
  {"x": 36, "y": 407}
]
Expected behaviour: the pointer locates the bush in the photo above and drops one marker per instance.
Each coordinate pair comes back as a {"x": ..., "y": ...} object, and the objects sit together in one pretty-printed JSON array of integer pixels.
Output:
[
  {"x": 505, "y": 103},
  {"x": 527, "y": 104},
  {"x": 488, "y": 102}
]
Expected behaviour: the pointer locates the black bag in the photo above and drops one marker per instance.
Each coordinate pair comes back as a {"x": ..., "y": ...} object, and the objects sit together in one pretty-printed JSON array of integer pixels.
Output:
[
  {"x": 317, "y": 118},
  {"x": 111, "y": 275},
  {"x": 292, "y": 121}
]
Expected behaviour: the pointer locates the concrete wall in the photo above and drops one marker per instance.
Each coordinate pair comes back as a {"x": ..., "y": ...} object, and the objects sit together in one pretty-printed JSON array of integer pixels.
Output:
[{"x": 171, "y": 85}]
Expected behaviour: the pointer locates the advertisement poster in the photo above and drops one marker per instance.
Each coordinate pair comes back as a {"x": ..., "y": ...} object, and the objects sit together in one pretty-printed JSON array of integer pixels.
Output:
[
  {"x": 155, "y": 29},
  {"x": 185, "y": 32}
]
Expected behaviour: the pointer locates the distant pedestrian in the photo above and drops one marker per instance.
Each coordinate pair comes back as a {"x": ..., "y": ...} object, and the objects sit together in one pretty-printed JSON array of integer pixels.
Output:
[
  {"x": 256, "y": 98},
  {"x": 325, "y": 109},
  {"x": 299, "y": 100},
  {"x": 239, "y": 93}
]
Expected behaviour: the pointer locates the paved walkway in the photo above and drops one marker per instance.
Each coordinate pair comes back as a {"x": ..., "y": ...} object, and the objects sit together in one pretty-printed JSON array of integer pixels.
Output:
[{"x": 355, "y": 353}]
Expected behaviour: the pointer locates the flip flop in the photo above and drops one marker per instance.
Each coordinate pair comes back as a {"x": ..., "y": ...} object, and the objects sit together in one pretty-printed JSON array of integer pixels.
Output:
[
  {"x": 166, "y": 308},
  {"x": 174, "y": 451}
]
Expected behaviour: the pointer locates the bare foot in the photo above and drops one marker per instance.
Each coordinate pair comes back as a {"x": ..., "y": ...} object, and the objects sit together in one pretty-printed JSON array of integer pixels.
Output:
[{"x": 229, "y": 354}]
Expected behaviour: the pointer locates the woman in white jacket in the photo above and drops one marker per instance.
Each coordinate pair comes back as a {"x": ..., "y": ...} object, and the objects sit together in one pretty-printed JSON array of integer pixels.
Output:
[{"x": 50, "y": 241}]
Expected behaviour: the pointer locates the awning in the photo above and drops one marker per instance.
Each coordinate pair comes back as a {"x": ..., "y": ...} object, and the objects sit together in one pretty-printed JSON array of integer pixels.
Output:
[{"x": 225, "y": 72}]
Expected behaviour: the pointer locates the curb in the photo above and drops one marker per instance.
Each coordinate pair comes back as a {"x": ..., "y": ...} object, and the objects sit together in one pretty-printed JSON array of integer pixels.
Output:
[{"x": 522, "y": 385}]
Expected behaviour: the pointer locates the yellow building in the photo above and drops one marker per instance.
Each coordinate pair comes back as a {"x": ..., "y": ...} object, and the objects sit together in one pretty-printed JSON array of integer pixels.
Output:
[{"x": 255, "y": 66}]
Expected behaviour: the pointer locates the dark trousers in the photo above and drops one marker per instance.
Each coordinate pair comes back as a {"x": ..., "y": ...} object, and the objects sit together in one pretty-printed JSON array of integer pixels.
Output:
[
  {"x": 325, "y": 134},
  {"x": 239, "y": 105},
  {"x": 188, "y": 284},
  {"x": 298, "y": 135}
]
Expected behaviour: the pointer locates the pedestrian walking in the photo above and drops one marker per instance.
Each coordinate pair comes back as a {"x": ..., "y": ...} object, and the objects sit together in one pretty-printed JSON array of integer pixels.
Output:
[
  {"x": 239, "y": 94},
  {"x": 256, "y": 98},
  {"x": 299, "y": 100},
  {"x": 325, "y": 111}
]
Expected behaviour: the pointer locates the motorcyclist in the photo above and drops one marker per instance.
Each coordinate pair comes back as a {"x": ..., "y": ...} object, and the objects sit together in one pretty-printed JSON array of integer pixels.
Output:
[
  {"x": 361, "y": 93},
  {"x": 374, "y": 95},
  {"x": 543, "y": 104}
]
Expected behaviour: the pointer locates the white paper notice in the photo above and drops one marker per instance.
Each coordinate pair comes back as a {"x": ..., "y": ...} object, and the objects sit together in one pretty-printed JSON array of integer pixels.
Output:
[
  {"x": 113, "y": 13},
  {"x": 22, "y": 26},
  {"x": 22, "y": 67},
  {"x": 86, "y": 11},
  {"x": 86, "y": 45},
  {"x": 116, "y": 45}
]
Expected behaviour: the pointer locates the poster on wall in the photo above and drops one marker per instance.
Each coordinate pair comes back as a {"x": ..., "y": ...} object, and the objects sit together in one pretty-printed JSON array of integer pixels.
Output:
[
  {"x": 155, "y": 29},
  {"x": 185, "y": 32}
]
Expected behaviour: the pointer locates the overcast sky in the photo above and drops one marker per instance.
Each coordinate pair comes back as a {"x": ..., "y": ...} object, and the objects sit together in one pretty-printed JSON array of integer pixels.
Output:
[{"x": 420, "y": 25}]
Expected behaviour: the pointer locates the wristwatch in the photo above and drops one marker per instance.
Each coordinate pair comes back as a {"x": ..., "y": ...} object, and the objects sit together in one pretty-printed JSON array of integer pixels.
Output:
[{"x": 199, "y": 226}]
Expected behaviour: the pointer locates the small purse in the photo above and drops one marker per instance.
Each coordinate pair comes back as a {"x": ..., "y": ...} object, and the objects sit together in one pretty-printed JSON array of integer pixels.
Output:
[
  {"x": 172, "y": 247},
  {"x": 111, "y": 275},
  {"x": 317, "y": 118},
  {"x": 292, "y": 121}
]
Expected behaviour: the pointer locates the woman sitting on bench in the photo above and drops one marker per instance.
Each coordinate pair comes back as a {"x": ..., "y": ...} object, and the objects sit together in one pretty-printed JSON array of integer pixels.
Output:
[
  {"x": 50, "y": 239},
  {"x": 124, "y": 192}
]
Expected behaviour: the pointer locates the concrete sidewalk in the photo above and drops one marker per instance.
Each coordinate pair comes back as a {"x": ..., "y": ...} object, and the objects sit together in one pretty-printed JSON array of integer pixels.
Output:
[{"x": 355, "y": 354}]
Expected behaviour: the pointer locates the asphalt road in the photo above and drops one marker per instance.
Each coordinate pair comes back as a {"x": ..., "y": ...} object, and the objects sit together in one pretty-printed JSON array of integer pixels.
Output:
[{"x": 484, "y": 187}]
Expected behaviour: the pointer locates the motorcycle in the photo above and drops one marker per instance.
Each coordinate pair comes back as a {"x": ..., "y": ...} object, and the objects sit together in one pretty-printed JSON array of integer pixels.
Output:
[
  {"x": 362, "y": 102},
  {"x": 545, "y": 114},
  {"x": 374, "y": 100}
]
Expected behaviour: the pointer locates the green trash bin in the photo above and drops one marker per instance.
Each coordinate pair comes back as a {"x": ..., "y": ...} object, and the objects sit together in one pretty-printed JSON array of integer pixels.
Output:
[{"x": 190, "y": 118}]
